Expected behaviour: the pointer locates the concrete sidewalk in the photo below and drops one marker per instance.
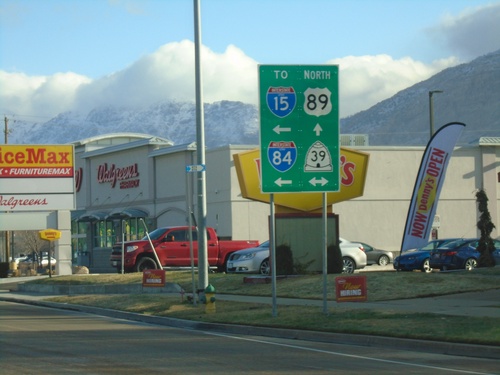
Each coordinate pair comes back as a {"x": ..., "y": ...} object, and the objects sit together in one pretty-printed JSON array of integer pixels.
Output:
[{"x": 474, "y": 304}]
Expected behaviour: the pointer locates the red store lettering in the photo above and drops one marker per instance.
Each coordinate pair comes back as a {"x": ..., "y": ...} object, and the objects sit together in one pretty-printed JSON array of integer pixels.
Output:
[
  {"x": 13, "y": 202},
  {"x": 114, "y": 174}
]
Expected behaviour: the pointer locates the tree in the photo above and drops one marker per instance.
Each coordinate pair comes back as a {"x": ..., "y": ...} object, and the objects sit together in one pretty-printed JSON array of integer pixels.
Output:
[
  {"x": 31, "y": 243},
  {"x": 486, "y": 246}
]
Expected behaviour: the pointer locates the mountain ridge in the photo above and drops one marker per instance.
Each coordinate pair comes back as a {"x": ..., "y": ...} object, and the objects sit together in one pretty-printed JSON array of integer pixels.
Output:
[{"x": 471, "y": 93}]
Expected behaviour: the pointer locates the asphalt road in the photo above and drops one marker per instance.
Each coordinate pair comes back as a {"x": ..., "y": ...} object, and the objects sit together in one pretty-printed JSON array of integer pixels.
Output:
[{"x": 40, "y": 340}]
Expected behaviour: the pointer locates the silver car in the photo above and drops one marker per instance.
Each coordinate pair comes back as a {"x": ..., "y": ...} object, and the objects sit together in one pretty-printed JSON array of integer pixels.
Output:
[
  {"x": 256, "y": 259},
  {"x": 252, "y": 260},
  {"x": 353, "y": 255}
]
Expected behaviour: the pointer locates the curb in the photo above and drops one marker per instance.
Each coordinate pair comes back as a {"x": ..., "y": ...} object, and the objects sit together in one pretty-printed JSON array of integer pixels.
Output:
[
  {"x": 97, "y": 289},
  {"x": 448, "y": 348}
]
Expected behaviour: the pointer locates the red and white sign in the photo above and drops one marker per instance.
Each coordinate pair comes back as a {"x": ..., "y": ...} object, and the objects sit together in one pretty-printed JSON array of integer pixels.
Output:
[
  {"x": 350, "y": 288},
  {"x": 153, "y": 278},
  {"x": 37, "y": 177}
]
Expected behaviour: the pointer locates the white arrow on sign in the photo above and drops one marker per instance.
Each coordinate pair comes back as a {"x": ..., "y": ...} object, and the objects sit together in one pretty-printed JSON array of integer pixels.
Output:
[
  {"x": 281, "y": 182},
  {"x": 195, "y": 168},
  {"x": 318, "y": 129},
  {"x": 314, "y": 181},
  {"x": 277, "y": 129}
]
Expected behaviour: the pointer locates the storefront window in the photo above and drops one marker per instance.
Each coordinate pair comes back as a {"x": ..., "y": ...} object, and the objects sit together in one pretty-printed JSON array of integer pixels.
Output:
[
  {"x": 79, "y": 244},
  {"x": 134, "y": 229}
]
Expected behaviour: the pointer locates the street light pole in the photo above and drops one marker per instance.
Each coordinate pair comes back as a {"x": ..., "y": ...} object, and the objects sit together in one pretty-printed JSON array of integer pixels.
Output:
[
  {"x": 7, "y": 233},
  {"x": 431, "y": 109}
]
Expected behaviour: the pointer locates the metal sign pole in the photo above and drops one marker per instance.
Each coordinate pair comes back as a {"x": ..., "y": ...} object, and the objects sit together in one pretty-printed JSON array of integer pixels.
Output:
[
  {"x": 123, "y": 247},
  {"x": 325, "y": 255},
  {"x": 190, "y": 222},
  {"x": 151, "y": 243},
  {"x": 273, "y": 254}
]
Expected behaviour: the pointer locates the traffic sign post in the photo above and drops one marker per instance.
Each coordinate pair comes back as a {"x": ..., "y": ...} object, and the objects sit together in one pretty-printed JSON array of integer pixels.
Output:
[{"x": 299, "y": 128}]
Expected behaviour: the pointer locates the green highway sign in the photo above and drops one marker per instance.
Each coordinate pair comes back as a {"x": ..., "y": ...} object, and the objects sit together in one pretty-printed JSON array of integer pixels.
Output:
[{"x": 299, "y": 128}]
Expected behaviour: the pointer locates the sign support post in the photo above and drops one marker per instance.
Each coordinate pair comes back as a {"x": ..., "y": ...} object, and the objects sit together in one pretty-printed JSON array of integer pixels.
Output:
[{"x": 299, "y": 139}]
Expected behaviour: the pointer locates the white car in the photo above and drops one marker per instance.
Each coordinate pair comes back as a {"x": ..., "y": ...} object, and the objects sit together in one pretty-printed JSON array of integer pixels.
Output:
[
  {"x": 22, "y": 258},
  {"x": 45, "y": 261},
  {"x": 256, "y": 259},
  {"x": 252, "y": 260}
]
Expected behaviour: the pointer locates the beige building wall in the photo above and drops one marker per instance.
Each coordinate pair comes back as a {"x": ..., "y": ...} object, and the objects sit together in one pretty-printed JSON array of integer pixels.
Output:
[{"x": 379, "y": 216}]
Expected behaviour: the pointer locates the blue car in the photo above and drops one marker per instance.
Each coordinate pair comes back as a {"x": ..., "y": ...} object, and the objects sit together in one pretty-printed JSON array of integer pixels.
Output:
[
  {"x": 418, "y": 259},
  {"x": 461, "y": 254}
]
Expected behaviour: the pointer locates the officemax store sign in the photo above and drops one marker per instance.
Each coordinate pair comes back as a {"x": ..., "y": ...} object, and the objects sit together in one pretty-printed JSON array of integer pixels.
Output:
[{"x": 36, "y": 177}]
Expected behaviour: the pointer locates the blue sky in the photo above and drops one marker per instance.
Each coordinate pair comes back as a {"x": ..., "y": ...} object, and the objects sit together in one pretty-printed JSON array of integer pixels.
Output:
[{"x": 59, "y": 55}]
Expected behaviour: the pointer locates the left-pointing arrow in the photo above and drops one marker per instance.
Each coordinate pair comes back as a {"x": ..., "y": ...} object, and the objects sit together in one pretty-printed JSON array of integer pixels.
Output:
[
  {"x": 281, "y": 182},
  {"x": 278, "y": 129}
]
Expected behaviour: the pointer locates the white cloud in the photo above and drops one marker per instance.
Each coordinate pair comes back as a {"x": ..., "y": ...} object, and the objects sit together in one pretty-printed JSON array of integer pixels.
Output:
[
  {"x": 472, "y": 33},
  {"x": 168, "y": 74},
  {"x": 38, "y": 95}
]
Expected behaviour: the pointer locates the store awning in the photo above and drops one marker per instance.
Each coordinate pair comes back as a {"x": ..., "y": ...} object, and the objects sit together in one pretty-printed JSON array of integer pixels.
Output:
[
  {"x": 76, "y": 214},
  {"x": 128, "y": 213},
  {"x": 93, "y": 216}
]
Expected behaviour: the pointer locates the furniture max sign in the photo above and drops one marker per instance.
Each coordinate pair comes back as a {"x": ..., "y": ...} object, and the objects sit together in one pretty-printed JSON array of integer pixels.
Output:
[{"x": 36, "y": 177}]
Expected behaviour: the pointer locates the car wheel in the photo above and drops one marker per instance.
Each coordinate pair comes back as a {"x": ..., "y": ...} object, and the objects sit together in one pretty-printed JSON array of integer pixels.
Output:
[
  {"x": 348, "y": 265},
  {"x": 383, "y": 260},
  {"x": 264, "y": 268},
  {"x": 470, "y": 264},
  {"x": 426, "y": 267},
  {"x": 145, "y": 263}
]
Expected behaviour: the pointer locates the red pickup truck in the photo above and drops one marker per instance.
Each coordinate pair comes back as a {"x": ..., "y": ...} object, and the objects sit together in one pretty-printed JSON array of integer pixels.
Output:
[{"x": 173, "y": 250}]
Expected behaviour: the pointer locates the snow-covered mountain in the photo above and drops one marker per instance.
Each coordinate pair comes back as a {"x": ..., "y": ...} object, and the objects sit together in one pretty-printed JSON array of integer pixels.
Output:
[
  {"x": 225, "y": 123},
  {"x": 471, "y": 94}
]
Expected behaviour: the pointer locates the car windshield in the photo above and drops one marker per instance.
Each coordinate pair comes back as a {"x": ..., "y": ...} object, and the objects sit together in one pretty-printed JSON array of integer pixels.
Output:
[
  {"x": 455, "y": 244},
  {"x": 154, "y": 235},
  {"x": 429, "y": 246},
  {"x": 264, "y": 244}
]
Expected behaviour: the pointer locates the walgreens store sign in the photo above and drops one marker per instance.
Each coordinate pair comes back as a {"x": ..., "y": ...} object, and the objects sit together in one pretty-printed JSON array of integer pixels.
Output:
[{"x": 37, "y": 177}]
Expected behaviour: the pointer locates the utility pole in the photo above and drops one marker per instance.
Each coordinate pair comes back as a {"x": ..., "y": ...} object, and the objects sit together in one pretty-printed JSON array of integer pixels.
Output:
[
  {"x": 6, "y": 131},
  {"x": 7, "y": 233},
  {"x": 431, "y": 109}
]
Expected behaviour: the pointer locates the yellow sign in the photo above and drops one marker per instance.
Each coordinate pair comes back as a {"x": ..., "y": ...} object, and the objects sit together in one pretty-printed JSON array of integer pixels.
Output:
[
  {"x": 50, "y": 234},
  {"x": 353, "y": 168},
  {"x": 36, "y": 161}
]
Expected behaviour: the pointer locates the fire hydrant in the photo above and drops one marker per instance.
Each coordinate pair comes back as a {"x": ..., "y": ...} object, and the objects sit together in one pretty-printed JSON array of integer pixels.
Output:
[{"x": 209, "y": 299}]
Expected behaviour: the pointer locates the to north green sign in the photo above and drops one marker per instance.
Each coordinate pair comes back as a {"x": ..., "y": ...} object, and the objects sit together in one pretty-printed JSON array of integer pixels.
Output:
[{"x": 299, "y": 128}]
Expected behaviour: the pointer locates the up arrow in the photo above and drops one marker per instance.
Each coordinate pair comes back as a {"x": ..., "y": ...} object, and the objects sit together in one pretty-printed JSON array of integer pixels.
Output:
[
  {"x": 277, "y": 129},
  {"x": 318, "y": 129},
  {"x": 323, "y": 181},
  {"x": 281, "y": 182}
]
